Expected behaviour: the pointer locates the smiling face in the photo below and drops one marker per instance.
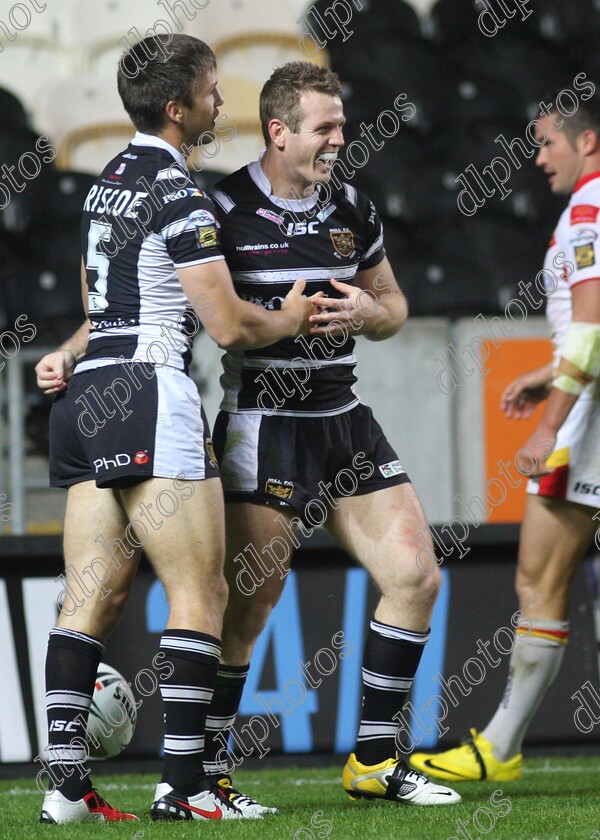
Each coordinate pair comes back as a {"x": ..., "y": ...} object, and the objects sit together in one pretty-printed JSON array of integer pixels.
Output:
[
  {"x": 310, "y": 151},
  {"x": 563, "y": 162}
]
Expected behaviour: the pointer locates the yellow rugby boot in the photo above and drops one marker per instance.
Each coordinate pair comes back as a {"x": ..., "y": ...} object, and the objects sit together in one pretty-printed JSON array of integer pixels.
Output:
[
  {"x": 395, "y": 781},
  {"x": 472, "y": 761}
]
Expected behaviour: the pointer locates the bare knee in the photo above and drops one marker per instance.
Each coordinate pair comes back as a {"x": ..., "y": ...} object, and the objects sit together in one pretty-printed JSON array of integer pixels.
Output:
[
  {"x": 220, "y": 593},
  {"x": 97, "y": 615},
  {"x": 113, "y": 611},
  {"x": 526, "y": 587},
  {"x": 541, "y": 596},
  {"x": 415, "y": 586},
  {"x": 243, "y": 623},
  {"x": 427, "y": 588},
  {"x": 240, "y": 635},
  {"x": 213, "y": 595}
]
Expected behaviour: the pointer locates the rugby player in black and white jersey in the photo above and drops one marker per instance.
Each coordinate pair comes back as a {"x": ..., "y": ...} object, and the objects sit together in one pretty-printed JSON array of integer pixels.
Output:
[
  {"x": 296, "y": 446},
  {"x": 129, "y": 438}
]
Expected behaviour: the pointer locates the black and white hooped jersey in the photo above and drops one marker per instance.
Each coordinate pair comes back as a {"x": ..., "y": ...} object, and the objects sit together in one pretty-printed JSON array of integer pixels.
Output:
[
  {"x": 269, "y": 243},
  {"x": 142, "y": 220}
]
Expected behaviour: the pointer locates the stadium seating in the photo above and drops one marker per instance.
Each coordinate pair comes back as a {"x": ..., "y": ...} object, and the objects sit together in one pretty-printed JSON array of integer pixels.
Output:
[
  {"x": 578, "y": 20},
  {"x": 397, "y": 244},
  {"x": 240, "y": 104},
  {"x": 297, "y": 7},
  {"x": 85, "y": 118},
  {"x": 454, "y": 21},
  {"x": 388, "y": 172},
  {"x": 476, "y": 146},
  {"x": 228, "y": 153},
  {"x": 248, "y": 38},
  {"x": 419, "y": 76},
  {"x": 475, "y": 99},
  {"x": 257, "y": 54},
  {"x": 21, "y": 194},
  {"x": 40, "y": 243},
  {"x": 12, "y": 110},
  {"x": 529, "y": 66},
  {"x": 430, "y": 194},
  {"x": 53, "y": 234},
  {"x": 28, "y": 62},
  {"x": 503, "y": 252},
  {"x": 450, "y": 288},
  {"x": 229, "y": 18},
  {"x": 377, "y": 18},
  {"x": 96, "y": 48},
  {"x": 45, "y": 281},
  {"x": 549, "y": 22},
  {"x": 475, "y": 143},
  {"x": 50, "y": 293}
]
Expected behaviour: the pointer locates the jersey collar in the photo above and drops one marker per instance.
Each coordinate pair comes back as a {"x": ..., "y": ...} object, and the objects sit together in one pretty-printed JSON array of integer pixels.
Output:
[
  {"x": 142, "y": 139},
  {"x": 585, "y": 180},
  {"x": 257, "y": 174}
]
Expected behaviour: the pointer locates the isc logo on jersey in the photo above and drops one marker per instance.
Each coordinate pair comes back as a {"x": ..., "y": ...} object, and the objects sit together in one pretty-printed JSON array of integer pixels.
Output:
[{"x": 300, "y": 228}]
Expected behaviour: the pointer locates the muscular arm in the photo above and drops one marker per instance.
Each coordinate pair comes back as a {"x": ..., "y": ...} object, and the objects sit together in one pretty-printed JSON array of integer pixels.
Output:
[
  {"x": 391, "y": 311},
  {"x": 235, "y": 323},
  {"x": 586, "y": 309},
  {"x": 374, "y": 307}
]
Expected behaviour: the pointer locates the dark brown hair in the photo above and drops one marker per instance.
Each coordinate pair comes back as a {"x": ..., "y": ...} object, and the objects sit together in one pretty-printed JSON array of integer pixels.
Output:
[{"x": 157, "y": 70}]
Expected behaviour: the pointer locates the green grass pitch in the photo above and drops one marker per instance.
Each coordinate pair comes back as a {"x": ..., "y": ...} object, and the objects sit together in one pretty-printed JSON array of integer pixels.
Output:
[{"x": 557, "y": 799}]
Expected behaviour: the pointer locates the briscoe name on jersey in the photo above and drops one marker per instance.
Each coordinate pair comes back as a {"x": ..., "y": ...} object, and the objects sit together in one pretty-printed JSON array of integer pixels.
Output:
[
  {"x": 269, "y": 243},
  {"x": 573, "y": 257},
  {"x": 142, "y": 220}
]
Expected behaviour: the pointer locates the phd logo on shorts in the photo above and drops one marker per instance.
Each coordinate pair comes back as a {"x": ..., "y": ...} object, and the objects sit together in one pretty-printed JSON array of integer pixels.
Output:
[
  {"x": 119, "y": 460},
  {"x": 141, "y": 457}
]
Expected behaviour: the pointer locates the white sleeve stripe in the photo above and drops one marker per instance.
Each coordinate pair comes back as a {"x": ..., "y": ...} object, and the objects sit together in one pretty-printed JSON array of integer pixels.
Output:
[
  {"x": 198, "y": 262},
  {"x": 222, "y": 200},
  {"x": 374, "y": 247},
  {"x": 177, "y": 228},
  {"x": 170, "y": 173},
  {"x": 351, "y": 194}
]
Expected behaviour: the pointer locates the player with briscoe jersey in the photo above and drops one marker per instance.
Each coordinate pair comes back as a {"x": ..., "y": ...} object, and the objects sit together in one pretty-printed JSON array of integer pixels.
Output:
[
  {"x": 129, "y": 439},
  {"x": 562, "y": 457},
  {"x": 296, "y": 446}
]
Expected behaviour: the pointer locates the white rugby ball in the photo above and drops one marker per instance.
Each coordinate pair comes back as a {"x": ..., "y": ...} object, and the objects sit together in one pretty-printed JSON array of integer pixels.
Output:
[{"x": 113, "y": 714}]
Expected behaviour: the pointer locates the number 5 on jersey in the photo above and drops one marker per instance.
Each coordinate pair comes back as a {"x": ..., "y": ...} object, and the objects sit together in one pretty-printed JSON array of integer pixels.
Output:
[{"x": 98, "y": 262}]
